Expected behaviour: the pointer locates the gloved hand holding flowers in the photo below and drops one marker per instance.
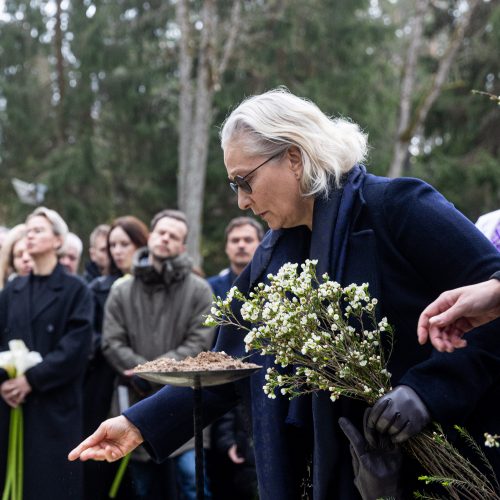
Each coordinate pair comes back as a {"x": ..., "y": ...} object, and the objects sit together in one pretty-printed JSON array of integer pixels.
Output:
[{"x": 332, "y": 338}]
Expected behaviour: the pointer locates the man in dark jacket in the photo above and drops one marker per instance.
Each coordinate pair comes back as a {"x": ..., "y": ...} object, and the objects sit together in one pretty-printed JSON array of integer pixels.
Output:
[
  {"x": 232, "y": 463},
  {"x": 159, "y": 312},
  {"x": 243, "y": 235}
]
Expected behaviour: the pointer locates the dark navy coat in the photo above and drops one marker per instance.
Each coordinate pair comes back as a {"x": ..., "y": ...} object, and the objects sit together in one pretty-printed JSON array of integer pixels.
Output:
[
  {"x": 61, "y": 332},
  {"x": 409, "y": 244},
  {"x": 222, "y": 282}
]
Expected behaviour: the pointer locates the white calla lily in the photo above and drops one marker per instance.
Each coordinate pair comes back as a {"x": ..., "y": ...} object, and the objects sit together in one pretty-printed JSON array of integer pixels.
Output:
[
  {"x": 24, "y": 361},
  {"x": 16, "y": 361},
  {"x": 18, "y": 346},
  {"x": 7, "y": 362},
  {"x": 6, "y": 359},
  {"x": 18, "y": 358}
]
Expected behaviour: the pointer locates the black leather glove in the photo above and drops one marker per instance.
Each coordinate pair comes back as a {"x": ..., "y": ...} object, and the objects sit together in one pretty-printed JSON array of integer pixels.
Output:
[
  {"x": 400, "y": 414},
  {"x": 376, "y": 462}
]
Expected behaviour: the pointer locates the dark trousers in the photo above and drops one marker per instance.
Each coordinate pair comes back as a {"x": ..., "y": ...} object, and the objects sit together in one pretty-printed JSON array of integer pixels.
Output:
[{"x": 152, "y": 481}]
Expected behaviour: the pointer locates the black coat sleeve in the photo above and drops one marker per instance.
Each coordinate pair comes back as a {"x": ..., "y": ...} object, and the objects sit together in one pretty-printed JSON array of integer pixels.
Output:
[{"x": 448, "y": 251}]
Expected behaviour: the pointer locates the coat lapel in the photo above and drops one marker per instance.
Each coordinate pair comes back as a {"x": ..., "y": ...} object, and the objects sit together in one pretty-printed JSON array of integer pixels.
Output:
[
  {"x": 263, "y": 256},
  {"x": 276, "y": 249},
  {"x": 361, "y": 257},
  {"x": 54, "y": 287},
  {"x": 20, "y": 315},
  {"x": 346, "y": 251},
  {"x": 324, "y": 223},
  {"x": 333, "y": 220}
]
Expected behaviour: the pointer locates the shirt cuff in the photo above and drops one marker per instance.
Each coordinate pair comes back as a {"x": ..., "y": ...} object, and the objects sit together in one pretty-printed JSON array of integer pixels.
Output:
[{"x": 495, "y": 276}]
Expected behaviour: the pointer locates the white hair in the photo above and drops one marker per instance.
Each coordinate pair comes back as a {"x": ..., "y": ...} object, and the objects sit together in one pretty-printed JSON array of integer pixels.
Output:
[
  {"x": 269, "y": 123},
  {"x": 72, "y": 240}
]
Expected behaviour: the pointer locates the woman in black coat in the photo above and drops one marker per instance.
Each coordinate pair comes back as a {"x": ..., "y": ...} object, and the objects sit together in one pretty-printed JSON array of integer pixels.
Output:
[
  {"x": 51, "y": 312},
  {"x": 126, "y": 235}
]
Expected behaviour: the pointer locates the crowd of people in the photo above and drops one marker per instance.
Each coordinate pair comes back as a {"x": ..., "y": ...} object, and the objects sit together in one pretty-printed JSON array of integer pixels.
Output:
[
  {"x": 432, "y": 271},
  {"x": 138, "y": 299}
]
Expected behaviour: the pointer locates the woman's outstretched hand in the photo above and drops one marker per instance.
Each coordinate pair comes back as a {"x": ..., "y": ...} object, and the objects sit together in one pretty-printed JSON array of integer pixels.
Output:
[
  {"x": 455, "y": 312},
  {"x": 114, "y": 438}
]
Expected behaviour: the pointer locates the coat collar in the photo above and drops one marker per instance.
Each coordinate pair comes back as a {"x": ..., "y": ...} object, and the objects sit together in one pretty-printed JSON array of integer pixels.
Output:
[
  {"x": 263, "y": 256},
  {"x": 333, "y": 219},
  {"x": 54, "y": 283}
]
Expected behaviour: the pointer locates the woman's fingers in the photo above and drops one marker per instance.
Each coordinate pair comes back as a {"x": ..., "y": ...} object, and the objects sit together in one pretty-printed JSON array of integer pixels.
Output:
[{"x": 89, "y": 443}]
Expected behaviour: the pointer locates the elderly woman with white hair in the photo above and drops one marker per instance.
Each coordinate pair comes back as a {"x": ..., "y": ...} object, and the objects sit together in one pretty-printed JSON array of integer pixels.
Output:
[
  {"x": 301, "y": 172},
  {"x": 51, "y": 312},
  {"x": 71, "y": 253}
]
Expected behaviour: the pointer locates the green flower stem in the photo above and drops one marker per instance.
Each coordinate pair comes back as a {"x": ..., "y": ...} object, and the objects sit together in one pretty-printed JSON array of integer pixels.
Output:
[
  {"x": 13, "y": 489},
  {"x": 8, "y": 473},
  {"x": 119, "y": 476},
  {"x": 13, "y": 445},
  {"x": 20, "y": 452}
]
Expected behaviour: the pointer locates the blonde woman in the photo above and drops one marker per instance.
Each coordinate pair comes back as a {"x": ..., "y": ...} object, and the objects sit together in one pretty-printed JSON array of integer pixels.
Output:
[
  {"x": 14, "y": 257},
  {"x": 51, "y": 311}
]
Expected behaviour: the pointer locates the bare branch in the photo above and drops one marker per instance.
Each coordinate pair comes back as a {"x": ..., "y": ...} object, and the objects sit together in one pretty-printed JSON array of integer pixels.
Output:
[
  {"x": 445, "y": 65},
  {"x": 234, "y": 29},
  {"x": 409, "y": 77},
  {"x": 185, "y": 95},
  {"x": 61, "y": 80},
  {"x": 408, "y": 126},
  {"x": 407, "y": 89}
]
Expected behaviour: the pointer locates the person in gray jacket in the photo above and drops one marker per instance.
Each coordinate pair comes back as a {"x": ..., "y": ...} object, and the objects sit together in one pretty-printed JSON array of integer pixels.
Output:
[{"x": 158, "y": 312}]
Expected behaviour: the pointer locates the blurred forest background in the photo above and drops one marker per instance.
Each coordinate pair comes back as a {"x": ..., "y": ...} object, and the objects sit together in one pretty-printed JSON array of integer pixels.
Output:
[{"x": 115, "y": 104}]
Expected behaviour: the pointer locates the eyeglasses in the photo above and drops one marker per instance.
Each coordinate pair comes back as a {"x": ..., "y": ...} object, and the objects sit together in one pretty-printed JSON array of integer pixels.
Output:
[{"x": 241, "y": 182}]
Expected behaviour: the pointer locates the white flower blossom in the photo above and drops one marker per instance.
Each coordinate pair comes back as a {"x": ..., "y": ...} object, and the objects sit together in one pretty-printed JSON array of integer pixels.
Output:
[{"x": 492, "y": 441}]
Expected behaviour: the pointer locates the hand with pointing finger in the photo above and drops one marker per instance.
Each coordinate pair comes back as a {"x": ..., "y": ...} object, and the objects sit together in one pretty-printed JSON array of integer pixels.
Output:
[
  {"x": 455, "y": 312},
  {"x": 114, "y": 438}
]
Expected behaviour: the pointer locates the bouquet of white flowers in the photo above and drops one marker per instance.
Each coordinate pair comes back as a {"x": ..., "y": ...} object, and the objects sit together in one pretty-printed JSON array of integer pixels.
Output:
[
  {"x": 331, "y": 336},
  {"x": 15, "y": 362}
]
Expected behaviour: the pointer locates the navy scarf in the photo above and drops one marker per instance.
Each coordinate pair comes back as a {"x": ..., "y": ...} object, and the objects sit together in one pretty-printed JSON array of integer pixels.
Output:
[{"x": 328, "y": 243}]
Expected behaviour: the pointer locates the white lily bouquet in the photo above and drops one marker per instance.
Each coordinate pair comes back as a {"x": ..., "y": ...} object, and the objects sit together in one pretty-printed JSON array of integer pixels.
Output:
[
  {"x": 332, "y": 338},
  {"x": 15, "y": 362}
]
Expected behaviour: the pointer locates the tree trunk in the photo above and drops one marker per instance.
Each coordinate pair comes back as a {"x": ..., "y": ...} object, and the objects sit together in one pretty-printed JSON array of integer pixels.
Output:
[
  {"x": 196, "y": 108},
  {"x": 61, "y": 84},
  {"x": 407, "y": 89},
  {"x": 192, "y": 200},
  {"x": 185, "y": 98},
  {"x": 445, "y": 64},
  {"x": 409, "y": 125}
]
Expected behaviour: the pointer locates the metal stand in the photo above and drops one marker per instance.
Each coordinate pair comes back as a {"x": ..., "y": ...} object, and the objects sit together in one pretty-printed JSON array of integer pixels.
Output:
[
  {"x": 195, "y": 380},
  {"x": 198, "y": 438}
]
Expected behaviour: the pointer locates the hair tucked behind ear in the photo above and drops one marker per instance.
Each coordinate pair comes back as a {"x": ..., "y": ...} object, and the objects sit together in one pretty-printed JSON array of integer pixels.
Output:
[{"x": 269, "y": 123}]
